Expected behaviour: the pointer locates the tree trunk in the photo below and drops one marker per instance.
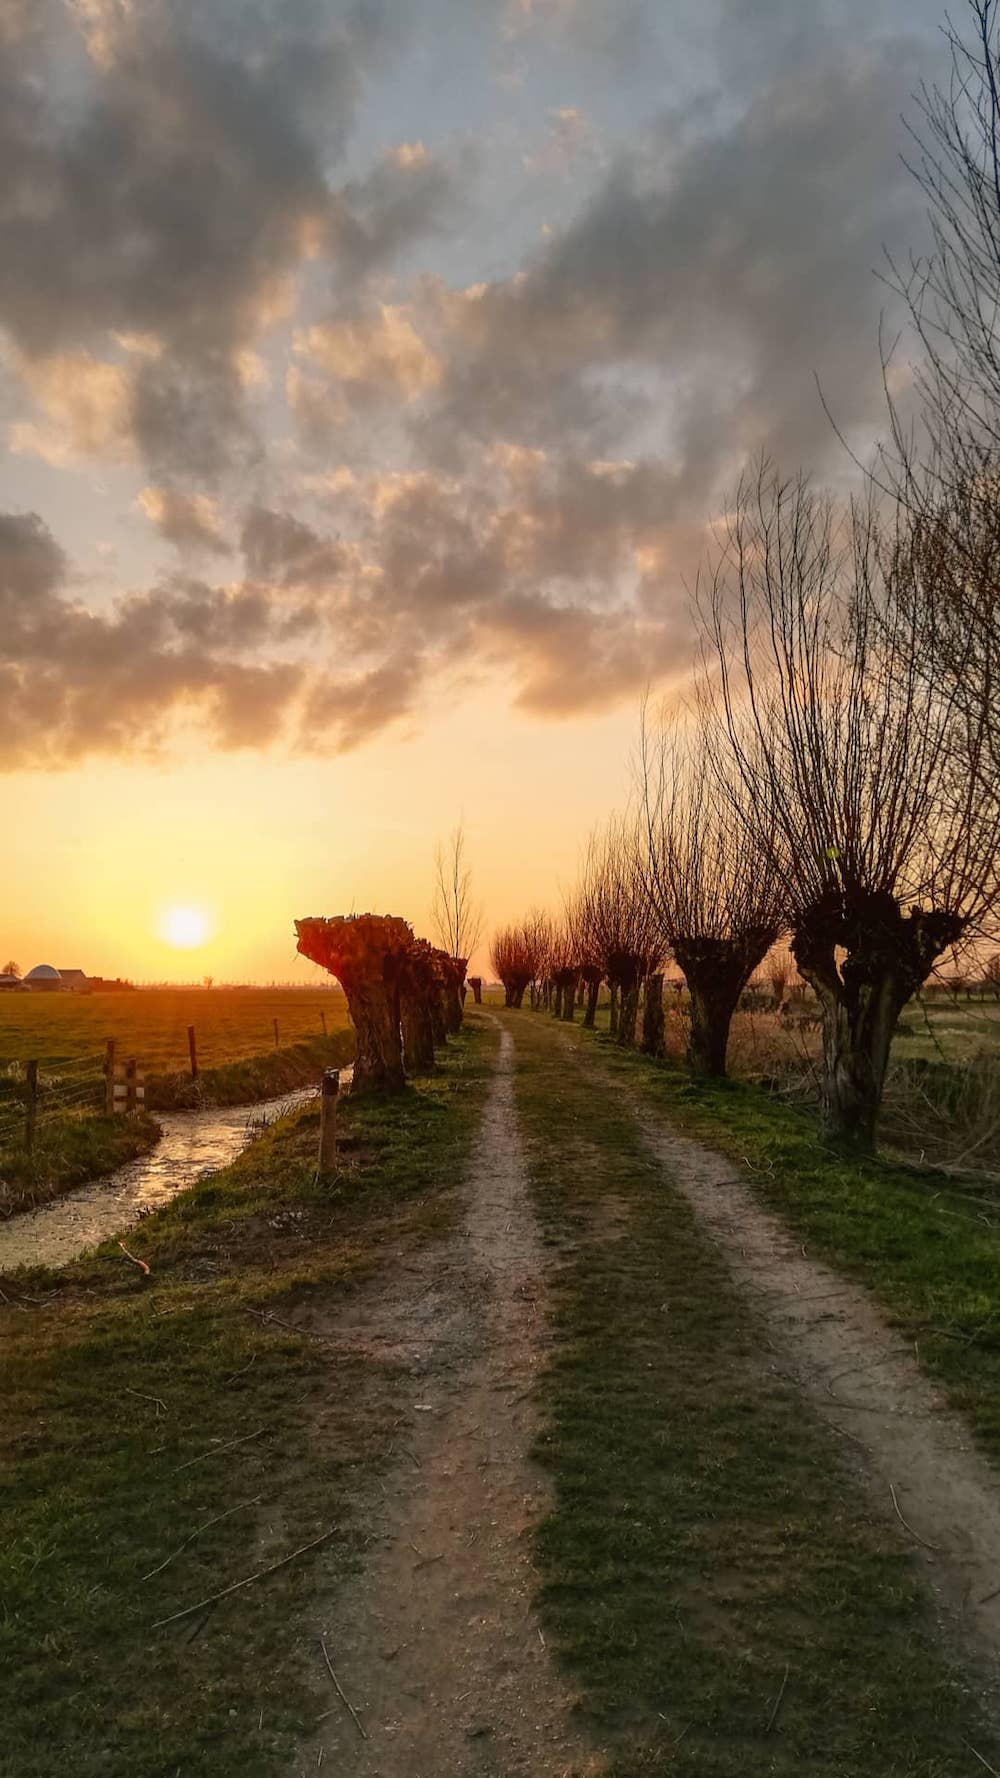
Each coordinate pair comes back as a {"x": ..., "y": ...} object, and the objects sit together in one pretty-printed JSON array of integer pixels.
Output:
[
  {"x": 628, "y": 1014},
  {"x": 508, "y": 994},
  {"x": 712, "y": 1006},
  {"x": 557, "y": 995},
  {"x": 581, "y": 992},
  {"x": 593, "y": 984},
  {"x": 613, "y": 1011},
  {"x": 569, "y": 1002},
  {"x": 418, "y": 1033},
  {"x": 378, "y": 1057},
  {"x": 889, "y": 956},
  {"x": 653, "y": 1022},
  {"x": 476, "y": 984},
  {"x": 452, "y": 1009}
]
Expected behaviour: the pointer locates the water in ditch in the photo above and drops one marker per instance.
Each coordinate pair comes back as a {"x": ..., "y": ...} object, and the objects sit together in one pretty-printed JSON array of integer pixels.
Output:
[{"x": 193, "y": 1143}]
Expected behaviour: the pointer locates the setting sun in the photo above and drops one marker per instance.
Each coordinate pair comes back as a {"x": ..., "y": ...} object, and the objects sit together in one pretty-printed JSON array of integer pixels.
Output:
[{"x": 185, "y": 927}]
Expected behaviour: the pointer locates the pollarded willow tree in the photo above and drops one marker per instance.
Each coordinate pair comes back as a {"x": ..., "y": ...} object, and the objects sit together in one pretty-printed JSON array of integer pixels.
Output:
[
  {"x": 617, "y": 920},
  {"x": 452, "y": 979},
  {"x": 419, "y": 1003},
  {"x": 368, "y": 954},
  {"x": 871, "y": 785},
  {"x": 520, "y": 954},
  {"x": 563, "y": 969},
  {"x": 590, "y": 965},
  {"x": 711, "y": 877}
]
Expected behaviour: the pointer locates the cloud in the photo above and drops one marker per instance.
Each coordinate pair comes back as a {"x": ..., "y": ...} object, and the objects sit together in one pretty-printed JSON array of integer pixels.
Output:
[
  {"x": 85, "y": 407},
  {"x": 76, "y": 683},
  {"x": 700, "y": 290},
  {"x": 452, "y": 445},
  {"x": 165, "y": 175},
  {"x": 281, "y": 549},
  {"x": 376, "y": 357},
  {"x": 188, "y": 521}
]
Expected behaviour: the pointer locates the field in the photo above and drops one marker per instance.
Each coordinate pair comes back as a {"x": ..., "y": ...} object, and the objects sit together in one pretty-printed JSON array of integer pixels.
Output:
[{"x": 151, "y": 1024}]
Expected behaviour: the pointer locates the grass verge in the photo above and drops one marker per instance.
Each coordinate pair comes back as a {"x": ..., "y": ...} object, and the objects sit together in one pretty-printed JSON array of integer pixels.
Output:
[
  {"x": 714, "y": 1575},
  {"x": 254, "y": 1077},
  {"x": 139, "y": 1411},
  {"x": 69, "y": 1150},
  {"x": 926, "y": 1249}
]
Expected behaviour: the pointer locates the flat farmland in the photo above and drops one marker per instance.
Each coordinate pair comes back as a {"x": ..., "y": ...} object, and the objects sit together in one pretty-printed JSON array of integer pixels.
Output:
[{"x": 151, "y": 1024}]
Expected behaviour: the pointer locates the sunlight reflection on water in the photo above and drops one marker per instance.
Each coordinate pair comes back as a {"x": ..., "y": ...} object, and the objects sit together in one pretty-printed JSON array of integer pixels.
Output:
[{"x": 193, "y": 1143}]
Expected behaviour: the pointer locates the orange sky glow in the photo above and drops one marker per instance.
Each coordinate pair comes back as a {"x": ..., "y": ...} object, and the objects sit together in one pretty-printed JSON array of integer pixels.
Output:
[{"x": 104, "y": 853}]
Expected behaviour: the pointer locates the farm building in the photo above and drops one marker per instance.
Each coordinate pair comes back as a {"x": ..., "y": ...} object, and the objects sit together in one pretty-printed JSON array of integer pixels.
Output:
[
  {"x": 43, "y": 979},
  {"x": 10, "y": 984},
  {"x": 74, "y": 981}
]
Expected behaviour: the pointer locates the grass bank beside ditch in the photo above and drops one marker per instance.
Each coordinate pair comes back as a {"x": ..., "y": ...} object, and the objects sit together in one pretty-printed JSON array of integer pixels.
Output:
[
  {"x": 725, "y": 1596},
  {"x": 926, "y": 1248},
  {"x": 69, "y": 1150},
  {"x": 162, "y": 1440},
  {"x": 265, "y": 1076}
]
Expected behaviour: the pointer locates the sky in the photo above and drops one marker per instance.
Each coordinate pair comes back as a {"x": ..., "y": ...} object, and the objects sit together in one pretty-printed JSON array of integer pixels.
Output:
[{"x": 371, "y": 376}]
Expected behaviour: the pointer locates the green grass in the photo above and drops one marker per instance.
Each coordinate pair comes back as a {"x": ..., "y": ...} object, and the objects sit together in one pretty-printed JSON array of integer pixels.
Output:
[
  {"x": 74, "y": 1146},
  {"x": 707, "y": 1537},
  {"x": 927, "y": 1250},
  {"x": 68, "y": 1151},
  {"x": 255, "y": 1077},
  {"x": 151, "y": 1024},
  {"x": 96, "y": 1494}
]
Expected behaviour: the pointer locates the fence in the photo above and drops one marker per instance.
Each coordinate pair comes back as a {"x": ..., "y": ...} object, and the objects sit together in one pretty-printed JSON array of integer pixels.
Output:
[{"x": 34, "y": 1094}]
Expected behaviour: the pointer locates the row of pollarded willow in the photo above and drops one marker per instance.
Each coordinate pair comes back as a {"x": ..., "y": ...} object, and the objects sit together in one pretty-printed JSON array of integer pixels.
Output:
[
  {"x": 404, "y": 996},
  {"x": 675, "y": 883},
  {"x": 867, "y": 782}
]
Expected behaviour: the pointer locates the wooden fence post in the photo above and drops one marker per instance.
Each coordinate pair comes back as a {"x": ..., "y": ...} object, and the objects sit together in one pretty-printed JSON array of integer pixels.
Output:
[
  {"x": 276, "y": 1044},
  {"x": 193, "y": 1053},
  {"x": 328, "y": 1122},
  {"x": 322, "y": 1020},
  {"x": 109, "y": 1077},
  {"x": 31, "y": 1106},
  {"x": 130, "y": 1073}
]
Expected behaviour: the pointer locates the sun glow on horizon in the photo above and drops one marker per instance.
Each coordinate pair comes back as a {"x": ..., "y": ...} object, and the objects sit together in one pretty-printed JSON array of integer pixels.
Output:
[{"x": 185, "y": 927}]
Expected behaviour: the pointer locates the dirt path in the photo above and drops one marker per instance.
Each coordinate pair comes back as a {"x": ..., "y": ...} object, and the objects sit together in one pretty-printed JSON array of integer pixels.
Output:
[
  {"x": 436, "y": 1644},
  {"x": 864, "y": 1379}
]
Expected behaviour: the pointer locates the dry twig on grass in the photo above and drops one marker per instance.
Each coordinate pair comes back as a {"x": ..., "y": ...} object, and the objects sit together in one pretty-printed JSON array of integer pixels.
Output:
[
  {"x": 216, "y": 1449},
  {"x": 197, "y": 1533},
  {"x": 772, "y": 1719},
  {"x": 248, "y": 1580},
  {"x": 141, "y": 1263},
  {"x": 138, "y": 1393}
]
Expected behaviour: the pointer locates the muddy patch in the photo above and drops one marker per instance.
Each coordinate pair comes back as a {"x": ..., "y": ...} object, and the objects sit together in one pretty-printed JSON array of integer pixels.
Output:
[{"x": 436, "y": 1646}]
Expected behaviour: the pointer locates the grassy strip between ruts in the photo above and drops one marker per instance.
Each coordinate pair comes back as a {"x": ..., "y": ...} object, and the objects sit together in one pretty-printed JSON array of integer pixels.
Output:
[
  {"x": 68, "y": 1151},
  {"x": 927, "y": 1249},
  {"x": 253, "y": 1077},
  {"x": 727, "y": 1598},
  {"x": 138, "y": 1411}
]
